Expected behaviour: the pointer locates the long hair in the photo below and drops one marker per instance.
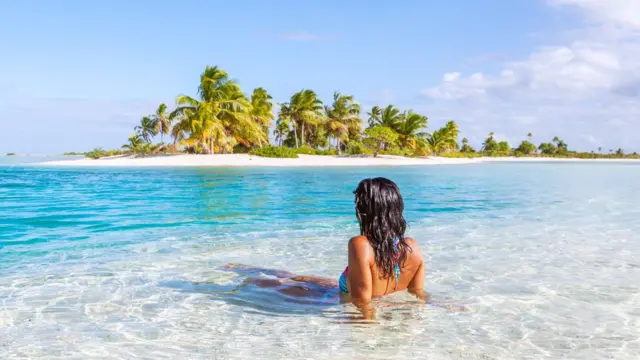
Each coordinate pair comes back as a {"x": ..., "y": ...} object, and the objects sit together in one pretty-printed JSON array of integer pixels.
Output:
[{"x": 379, "y": 208}]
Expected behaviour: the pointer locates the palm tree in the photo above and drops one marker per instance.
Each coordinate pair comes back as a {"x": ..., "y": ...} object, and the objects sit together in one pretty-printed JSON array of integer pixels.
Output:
[
  {"x": 135, "y": 141},
  {"x": 182, "y": 127},
  {"x": 341, "y": 116},
  {"x": 490, "y": 143},
  {"x": 465, "y": 146},
  {"x": 408, "y": 129},
  {"x": 444, "y": 139},
  {"x": 452, "y": 131},
  {"x": 220, "y": 116},
  {"x": 281, "y": 131},
  {"x": 262, "y": 109},
  {"x": 530, "y": 136},
  {"x": 304, "y": 109},
  {"x": 390, "y": 117},
  {"x": 560, "y": 144},
  {"x": 437, "y": 141},
  {"x": 374, "y": 116},
  {"x": 285, "y": 121},
  {"x": 600, "y": 149},
  {"x": 147, "y": 128},
  {"x": 162, "y": 121}
]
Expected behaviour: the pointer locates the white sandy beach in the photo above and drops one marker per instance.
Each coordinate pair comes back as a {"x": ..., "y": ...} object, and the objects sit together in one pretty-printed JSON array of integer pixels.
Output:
[{"x": 244, "y": 160}]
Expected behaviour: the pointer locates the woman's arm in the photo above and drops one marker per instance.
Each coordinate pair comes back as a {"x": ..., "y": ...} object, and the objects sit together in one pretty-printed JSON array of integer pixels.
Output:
[
  {"x": 360, "y": 279},
  {"x": 416, "y": 285}
]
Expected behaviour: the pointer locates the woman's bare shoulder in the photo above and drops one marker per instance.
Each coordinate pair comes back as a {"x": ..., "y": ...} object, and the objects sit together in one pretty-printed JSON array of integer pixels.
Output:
[
  {"x": 359, "y": 244},
  {"x": 358, "y": 240},
  {"x": 359, "y": 248},
  {"x": 415, "y": 248}
]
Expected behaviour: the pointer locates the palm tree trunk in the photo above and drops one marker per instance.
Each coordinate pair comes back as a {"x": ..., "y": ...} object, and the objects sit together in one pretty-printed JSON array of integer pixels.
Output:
[
  {"x": 295, "y": 133},
  {"x": 211, "y": 149},
  {"x": 302, "y": 134}
]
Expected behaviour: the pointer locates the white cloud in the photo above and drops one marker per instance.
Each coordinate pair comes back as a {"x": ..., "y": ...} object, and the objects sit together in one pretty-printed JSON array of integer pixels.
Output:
[
  {"x": 450, "y": 77},
  {"x": 584, "y": 90},
  {"x": 621, "y": 12}
]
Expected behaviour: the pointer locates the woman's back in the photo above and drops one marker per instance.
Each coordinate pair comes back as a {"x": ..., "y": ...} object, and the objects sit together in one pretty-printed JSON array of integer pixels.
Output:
[{"x": 365, "y": 276}]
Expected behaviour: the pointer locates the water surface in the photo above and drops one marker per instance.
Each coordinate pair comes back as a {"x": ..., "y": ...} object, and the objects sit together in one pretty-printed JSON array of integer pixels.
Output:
[{"x": 120, "y": 263}]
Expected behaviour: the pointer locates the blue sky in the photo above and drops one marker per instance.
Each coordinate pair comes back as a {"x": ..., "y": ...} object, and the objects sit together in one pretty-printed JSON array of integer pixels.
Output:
[{"x": 79, "y": 74}]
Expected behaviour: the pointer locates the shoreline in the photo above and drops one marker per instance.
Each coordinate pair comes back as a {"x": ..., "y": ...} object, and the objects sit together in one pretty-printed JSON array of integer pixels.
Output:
[{"x": 245, "y": 160}]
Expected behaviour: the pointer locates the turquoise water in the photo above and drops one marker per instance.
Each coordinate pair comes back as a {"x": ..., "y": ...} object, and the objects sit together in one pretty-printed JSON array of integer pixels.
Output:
[{"x": 120, "y": 263}]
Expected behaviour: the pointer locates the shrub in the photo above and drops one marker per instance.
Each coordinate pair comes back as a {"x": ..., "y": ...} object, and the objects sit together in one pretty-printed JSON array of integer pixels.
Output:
[
  {"x": 378, "y": 137},
  {"x": 547, "y": 148},
  {"x": 100, "y": 153},
  {"x": 466, "y": 148},
  {"x": 73, "y": 153},
  {"x": 357, "y": 148},
  {"x": 274, "y": 152},
  {"x": 394, "y": 150},
  {"x": 171, "y": 149},
  {"x": 11, "y": 154},
  {"x": 240, "y": 149},
  {"x": 456, "y": 154},
  {"x": 526, "y": 148},
  {"x": 195, "y": 149},
  {"x": 114, "y": 152},
  {"x": 327, "y": 152},
  {"x": 96, "y": 153},
  {"x": 503, "y": 147},
  {"x": 498, "y": 153},
  {"x": 306, "y": 150}
]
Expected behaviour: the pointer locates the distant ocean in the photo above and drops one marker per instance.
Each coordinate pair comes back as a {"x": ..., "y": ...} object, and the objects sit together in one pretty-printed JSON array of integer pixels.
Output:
[{"x": 125, "y": 263}]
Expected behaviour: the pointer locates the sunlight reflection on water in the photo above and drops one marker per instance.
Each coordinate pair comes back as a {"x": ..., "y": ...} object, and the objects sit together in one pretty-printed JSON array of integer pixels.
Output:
[{"x": 123, "y": 263}]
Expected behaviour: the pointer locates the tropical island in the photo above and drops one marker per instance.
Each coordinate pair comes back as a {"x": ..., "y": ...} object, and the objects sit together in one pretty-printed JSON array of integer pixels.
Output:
[{"x": 222, "y": 119}]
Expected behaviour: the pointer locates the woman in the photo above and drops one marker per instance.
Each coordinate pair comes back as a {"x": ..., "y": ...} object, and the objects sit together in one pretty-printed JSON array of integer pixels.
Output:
[{"x": 381, "y": 260}]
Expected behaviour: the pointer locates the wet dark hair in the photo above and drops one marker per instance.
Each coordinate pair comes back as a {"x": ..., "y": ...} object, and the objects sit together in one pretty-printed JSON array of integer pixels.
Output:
[{"x": 379, "y": 208}]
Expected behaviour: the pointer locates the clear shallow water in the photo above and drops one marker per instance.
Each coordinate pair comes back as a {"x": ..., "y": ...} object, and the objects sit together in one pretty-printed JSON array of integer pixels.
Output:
[{"x": 124, "y": 263}]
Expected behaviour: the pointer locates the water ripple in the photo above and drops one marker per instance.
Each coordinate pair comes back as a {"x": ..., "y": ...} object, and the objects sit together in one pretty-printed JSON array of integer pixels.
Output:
[{"x": 126, "y": 263}]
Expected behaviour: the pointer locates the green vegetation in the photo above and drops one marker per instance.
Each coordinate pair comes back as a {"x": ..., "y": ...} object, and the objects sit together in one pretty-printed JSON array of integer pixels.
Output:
[
  {"x": 307, "y": 150},
  {"x": 221, "y": 118},
  {"x": 443, "y": 140},
  {"x": 526, "y": 148},
  {"x": 357, "y": 148},
  {"x": 11, "y": 154},
  {"x": 274, "y": 152},
  {"x": 379, "y": 137},
  {"x": 100, "y": 152},
  {"x": 466, "y": 148},
  {"x": 72, "y": 153},
  {"x": 459, "y": 154}
]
